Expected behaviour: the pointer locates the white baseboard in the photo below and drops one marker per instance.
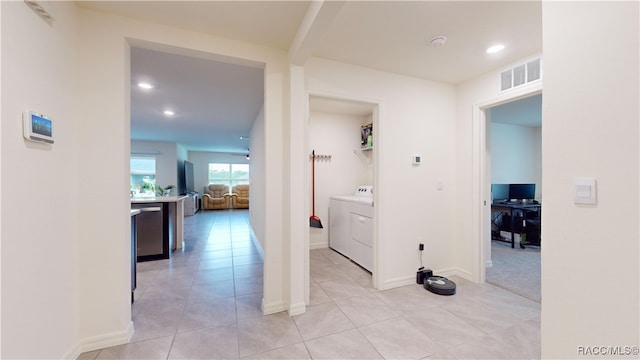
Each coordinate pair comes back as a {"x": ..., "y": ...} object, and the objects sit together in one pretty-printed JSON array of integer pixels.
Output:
[
  {"x": 72, "y": 353},
  {"x": 102, "y": 341},
  {"x": 397, "y": 282},
  {"x": 272, "y": 308},
  {"x": 454, "y": 271},
  {"x": 297, "y": 309},
  {"x": 254, "y": 238},
  {"x": 409, "y": 280}
]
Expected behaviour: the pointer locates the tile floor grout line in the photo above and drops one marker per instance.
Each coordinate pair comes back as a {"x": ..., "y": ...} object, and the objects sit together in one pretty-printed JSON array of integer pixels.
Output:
[{"x": 370, "y": 343}]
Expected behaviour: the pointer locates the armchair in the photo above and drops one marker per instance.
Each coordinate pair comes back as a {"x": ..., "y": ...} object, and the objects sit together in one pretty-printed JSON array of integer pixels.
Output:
[
  {"x": 215, "y": 197},
  {"x": 240, "y": 196}
]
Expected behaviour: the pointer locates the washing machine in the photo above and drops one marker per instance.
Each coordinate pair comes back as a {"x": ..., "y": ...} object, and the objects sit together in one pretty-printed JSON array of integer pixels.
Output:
[{"x": 351, "y": 225}]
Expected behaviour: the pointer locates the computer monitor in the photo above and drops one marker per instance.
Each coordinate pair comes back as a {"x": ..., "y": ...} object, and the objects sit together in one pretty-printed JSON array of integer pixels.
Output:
[
  {"x": 499, "y": 192},
  {"x": 522, "y": 191}
]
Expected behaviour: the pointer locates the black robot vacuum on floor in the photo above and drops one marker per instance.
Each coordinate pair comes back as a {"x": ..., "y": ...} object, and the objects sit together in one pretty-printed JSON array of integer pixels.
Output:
[{"x": 440, "y": 285}]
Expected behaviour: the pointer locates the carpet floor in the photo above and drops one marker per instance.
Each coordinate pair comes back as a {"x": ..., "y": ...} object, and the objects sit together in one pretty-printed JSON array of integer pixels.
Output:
[{"x": 516, "y": 270}]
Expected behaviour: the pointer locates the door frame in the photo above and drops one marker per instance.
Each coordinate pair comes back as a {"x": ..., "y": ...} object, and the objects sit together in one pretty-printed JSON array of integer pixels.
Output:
[
  {"x": 481, "y": 176},
  {"x": 376, "y": 119}
]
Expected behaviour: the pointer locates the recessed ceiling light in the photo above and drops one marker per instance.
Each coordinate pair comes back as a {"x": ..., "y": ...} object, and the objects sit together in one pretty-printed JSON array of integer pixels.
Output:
[
  {"x": 145, "y": 85},
  {"x": 244, "y": 138},
  {"x": 168, "y": 112},
  {"x": 495, "y": 48},
  {"x": 437, "y": 41}
]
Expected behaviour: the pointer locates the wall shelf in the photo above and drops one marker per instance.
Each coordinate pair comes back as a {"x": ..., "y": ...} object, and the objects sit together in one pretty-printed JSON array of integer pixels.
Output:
[{"x": 360, "y": 153}]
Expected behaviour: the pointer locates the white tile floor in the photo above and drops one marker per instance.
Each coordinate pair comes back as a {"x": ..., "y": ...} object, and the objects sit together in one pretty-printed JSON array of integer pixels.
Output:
[{"x": 204, "y": 303}]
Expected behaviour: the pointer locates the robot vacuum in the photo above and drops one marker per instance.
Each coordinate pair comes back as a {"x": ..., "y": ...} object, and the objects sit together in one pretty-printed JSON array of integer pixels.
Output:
[{"x": 440, "y": 285}]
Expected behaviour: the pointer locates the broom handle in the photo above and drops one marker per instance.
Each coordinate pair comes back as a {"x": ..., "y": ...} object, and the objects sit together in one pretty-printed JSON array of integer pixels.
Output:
[{"x": 313, "y": 182}]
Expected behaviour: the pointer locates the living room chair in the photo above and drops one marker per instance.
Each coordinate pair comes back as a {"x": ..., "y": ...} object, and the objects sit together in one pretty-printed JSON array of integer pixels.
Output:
[
  {"x": 216, "y": 197},
  {"x": 240, "y": 197}
]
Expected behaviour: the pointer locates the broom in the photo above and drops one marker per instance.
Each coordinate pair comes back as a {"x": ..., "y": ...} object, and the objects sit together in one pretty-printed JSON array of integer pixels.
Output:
[{"x": 314, "y": 221}]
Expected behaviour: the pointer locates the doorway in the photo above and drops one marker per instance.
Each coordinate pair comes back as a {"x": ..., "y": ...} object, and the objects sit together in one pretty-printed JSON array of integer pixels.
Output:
[
  {"x": 216, "y": 117},
  {"x": 515, "y": 163},
  {"x": 347, "y": 162},
  {"x": 481, "y": 165}
]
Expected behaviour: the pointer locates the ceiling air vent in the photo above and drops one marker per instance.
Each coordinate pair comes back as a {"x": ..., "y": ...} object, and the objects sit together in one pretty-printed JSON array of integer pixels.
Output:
[{"x": 520, "y": 75}]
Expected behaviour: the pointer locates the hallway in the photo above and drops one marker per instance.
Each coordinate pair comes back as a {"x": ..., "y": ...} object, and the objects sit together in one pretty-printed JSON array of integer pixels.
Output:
[{"x": 204, "y": 303}]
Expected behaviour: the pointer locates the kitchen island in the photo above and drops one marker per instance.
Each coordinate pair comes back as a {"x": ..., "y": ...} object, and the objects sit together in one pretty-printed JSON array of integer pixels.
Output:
[
  {"x": 160, "y": 226},
  {"x": 134, "y": 256}
]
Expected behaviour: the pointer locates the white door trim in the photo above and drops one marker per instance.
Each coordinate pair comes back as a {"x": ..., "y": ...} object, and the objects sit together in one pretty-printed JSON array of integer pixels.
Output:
[
  {"x": 378, "y": 261},
  {"x": 481, "y": 194}
]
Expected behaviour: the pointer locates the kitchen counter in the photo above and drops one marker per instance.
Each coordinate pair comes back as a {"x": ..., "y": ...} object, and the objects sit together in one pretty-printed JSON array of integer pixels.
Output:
[
  {"x": 157, "y": 199},
  {"x": 173, "y": 220}
]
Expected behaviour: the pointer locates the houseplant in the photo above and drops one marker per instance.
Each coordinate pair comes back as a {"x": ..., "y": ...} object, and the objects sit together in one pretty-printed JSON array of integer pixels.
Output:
[{"x": 164, "y": 191}]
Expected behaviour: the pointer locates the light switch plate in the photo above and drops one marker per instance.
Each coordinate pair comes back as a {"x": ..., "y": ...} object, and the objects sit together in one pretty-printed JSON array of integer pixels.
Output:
[{"x": 584, "y": 191}]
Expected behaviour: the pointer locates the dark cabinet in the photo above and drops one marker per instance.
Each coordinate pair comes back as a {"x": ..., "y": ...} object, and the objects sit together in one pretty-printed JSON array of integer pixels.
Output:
[
  {"x": 156, "y": 230},
  {"x": 134, "y": 256}
]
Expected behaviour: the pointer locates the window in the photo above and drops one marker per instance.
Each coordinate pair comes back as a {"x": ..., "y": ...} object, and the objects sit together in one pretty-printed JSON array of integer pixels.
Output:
[
  {"x": 142, "y": 174},
  {"x": 228, "y": 174}
]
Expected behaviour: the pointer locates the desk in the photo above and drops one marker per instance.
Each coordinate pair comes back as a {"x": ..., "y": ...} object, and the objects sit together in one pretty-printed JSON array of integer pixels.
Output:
[{"x": 512, "y": 209}]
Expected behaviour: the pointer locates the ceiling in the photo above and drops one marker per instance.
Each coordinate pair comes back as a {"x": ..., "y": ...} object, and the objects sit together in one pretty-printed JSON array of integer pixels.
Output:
[{"x": 216, "y": 102}]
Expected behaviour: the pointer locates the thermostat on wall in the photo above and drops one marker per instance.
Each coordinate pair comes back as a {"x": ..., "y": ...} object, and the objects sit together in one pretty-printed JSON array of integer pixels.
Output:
[
  {"x": 415, "y": 159},
  {"x": 37, "y": 127}
]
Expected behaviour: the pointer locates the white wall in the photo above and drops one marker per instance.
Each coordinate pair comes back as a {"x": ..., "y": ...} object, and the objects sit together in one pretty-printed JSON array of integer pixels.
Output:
[
  {"x": 104, "y": 143},
  {"x": 40, "y": 197},
  {"x": 166, "y": 159},
  {"x": 276, "y": 298},
  {"x": 337, "y": 135},
  {"x": 590, "y": 254},
  {"x": 201, "y": 160},
  {"x": 295, "y": 179},
  {"x": 257, "y": 174},
  {"x": 516, "y": 155},
  {"x": 416, "y": 117}
]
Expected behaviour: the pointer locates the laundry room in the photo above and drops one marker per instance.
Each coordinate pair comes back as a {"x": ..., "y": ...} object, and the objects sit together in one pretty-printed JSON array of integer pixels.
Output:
[
  {"x": 412, "y": 203},
  {"x": 341, "y": 136}
]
